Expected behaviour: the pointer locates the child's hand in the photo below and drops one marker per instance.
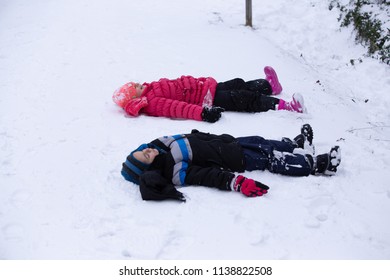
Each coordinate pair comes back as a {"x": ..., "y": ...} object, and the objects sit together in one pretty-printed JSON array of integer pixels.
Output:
[
  {"x": 212, "y": 114},
  {"x": 249, "y": 187}
]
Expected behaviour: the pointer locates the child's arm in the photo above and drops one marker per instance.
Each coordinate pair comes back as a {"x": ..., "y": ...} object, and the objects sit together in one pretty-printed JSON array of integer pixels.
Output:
[
  {"x": 224, "y": 180},
  {"x": 164, "y": 107},
  {"x": 209, "y": 177}
]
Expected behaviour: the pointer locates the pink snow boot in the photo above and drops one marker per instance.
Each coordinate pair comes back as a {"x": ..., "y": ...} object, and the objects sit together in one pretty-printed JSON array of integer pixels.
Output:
[
  {"x": 272, "y": 78},
  {"x": 296, "y": 105}
]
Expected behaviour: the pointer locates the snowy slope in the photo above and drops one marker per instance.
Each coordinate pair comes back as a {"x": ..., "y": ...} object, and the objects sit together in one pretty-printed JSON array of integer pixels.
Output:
[{"x": 63, "y": 140}]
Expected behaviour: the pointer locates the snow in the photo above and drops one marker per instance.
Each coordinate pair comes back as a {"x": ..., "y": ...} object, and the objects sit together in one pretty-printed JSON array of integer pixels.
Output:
[{"x": 63, "y": 140}]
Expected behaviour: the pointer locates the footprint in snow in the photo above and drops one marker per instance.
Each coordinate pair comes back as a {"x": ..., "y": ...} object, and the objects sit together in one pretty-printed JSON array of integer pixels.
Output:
[
  {"x": 175, "y": 244},
  {"x": 13, "y": 232},
  {"x": 318, "y": 209},
  {"x": 19, "y": 197}
]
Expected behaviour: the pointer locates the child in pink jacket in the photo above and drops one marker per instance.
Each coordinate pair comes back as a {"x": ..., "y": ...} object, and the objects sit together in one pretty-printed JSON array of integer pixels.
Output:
[{"x": 203, "y": 99}]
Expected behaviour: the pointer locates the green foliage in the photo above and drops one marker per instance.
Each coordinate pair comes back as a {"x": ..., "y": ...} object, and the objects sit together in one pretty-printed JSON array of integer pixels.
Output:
[{"x": 369, "y": 28}]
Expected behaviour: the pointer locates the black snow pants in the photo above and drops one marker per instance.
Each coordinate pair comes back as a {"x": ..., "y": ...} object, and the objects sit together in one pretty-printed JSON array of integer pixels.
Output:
[{"x": 240, "y": 96}]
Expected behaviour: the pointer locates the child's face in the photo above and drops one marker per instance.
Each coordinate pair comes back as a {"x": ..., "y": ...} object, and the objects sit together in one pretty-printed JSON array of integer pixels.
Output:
[
  {"x": 139, "y": 89},
  {"x": 146, "y": 155}
]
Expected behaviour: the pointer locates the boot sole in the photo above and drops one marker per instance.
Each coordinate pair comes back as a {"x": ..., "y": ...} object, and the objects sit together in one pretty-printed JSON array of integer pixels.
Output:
[
  {"x": 334, "y": 160},
  {"x": 299, "y": 99},
  {"x": 307, "y": 131}
]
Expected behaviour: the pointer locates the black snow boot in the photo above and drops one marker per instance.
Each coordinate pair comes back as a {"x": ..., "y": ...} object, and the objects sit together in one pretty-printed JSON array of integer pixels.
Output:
[
  {"x": 306, "y": 135},
  {"x": 328, "y": 163}
]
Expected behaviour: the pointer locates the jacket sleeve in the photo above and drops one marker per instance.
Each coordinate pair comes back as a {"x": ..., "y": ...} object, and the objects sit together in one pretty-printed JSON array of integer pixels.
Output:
[
  {"x": 209, "y": 177},
  {"x": 153, "y": 186},
  {"x": 134, "y": 106},
  {"x": 164, "y": 107}
]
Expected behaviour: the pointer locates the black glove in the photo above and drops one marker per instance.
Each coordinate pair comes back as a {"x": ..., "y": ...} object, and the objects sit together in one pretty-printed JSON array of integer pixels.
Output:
[{"x": 212, "y": 114}]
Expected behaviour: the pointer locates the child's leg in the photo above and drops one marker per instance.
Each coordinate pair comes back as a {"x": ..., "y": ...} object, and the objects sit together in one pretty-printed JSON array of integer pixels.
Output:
[
  {"x": 263, "y": 145},
  {"x": 257, "y": 150},
  {"x": 260, "y": 86},
  {"x": 244, "y": 101},
  {"x": 276, "y": 156},
  {"x": 290, "y": 164},
  {"x": 231, "y": 85}
]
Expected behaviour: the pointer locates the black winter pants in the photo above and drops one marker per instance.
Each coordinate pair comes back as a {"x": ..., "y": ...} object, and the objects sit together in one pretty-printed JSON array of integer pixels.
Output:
[{"x": 240, "y": 96}]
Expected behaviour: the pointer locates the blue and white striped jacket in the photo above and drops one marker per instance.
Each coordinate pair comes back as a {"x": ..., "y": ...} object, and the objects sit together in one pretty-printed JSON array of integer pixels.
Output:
[{"x": 199, "y": 159}]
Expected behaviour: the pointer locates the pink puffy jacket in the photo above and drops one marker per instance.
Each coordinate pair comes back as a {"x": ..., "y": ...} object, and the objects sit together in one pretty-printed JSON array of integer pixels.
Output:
[{"x": 179, "y": 98}]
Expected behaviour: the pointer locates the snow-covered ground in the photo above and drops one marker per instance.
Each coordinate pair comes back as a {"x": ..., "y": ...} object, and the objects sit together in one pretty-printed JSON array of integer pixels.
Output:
[{"x": 63, "y": 140}]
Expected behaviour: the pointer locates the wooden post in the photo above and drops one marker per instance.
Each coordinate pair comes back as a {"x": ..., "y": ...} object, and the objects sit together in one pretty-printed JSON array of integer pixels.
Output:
[{"x": 248, "y": 7}]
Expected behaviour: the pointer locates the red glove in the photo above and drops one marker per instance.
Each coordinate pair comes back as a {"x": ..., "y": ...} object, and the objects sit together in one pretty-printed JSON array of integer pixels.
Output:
[{"x": 249, "y": 187}]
